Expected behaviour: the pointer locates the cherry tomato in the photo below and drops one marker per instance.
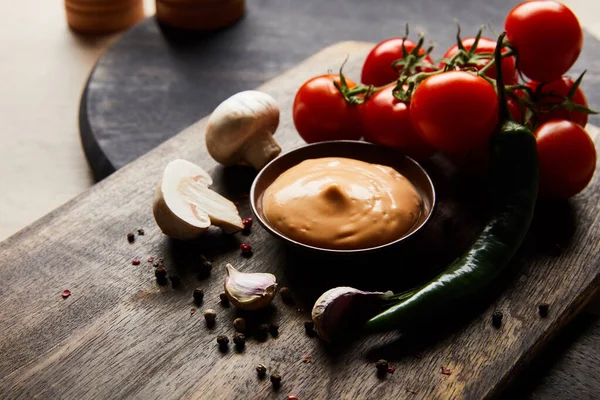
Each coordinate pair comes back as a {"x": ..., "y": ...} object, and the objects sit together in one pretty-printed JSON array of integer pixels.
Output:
[
  {"x": 454, "y": 111},
  {"x": 378, "y": 69},
  {"x": 321, "y": 113},
  {"x": 485, "y": 45},
  {"x": 567, "y": 158},
  {"x": 547, "y": 36},
  {"x": 516, "y": 109},
  {"x": 386, "y": 121},
  {"x": 543, "y": 94}
]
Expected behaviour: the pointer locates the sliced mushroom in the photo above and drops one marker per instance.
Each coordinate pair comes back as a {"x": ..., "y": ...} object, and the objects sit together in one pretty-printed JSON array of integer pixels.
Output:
[
  {"x": 240, "y": 130},
  {"x": 184, "y": 206}
]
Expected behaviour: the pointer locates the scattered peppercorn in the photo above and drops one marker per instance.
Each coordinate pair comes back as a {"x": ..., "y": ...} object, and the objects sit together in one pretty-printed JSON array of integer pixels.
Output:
[
  {"x": 390, "y": 369},
  {"x": 240, "y": 340},
  {"x": 543, "y": 309},
  {"x": 262, "y": 331},
  {"x": 150, "y": 259},
  {"x": 198, "y": 295},
  {"x": 292, "y": 397},
  {"x": 276, "y": 380},
  {"x": 223, "y": 342},
  {"x": 135, "y": 261},
  {"x": 497, "y": 319},
  {"x": 246, "y": 249},
  {"x": 382, "y": 366},
  {"x": 239, "y": 324},
  {"x": 141, "y": 232},
  {"x": 446, "y": 371},
  {"x": 261, "y": 370},
  {"x": 247, "y": 225},
  {"x": 224, "y": 300},
  {"x": 210, "y": 316},
  {"x": 65, "y": 293},
  {"x": 309, "y": 327},
  {"x": 274, "y": 329},
  {"x": 286, "y": 296},
  {"x": 175, "y": 280},
  {"x": 161, "y": 275},
  {"x": 130, "y": 237}
]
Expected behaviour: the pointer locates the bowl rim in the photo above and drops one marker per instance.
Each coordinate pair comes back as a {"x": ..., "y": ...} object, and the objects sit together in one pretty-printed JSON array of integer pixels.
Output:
[{"x": 266, "y": 225}]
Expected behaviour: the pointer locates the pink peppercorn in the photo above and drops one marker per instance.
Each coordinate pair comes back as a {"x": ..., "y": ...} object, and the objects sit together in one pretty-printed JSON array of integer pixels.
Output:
[{"x": 246, "y": 248}]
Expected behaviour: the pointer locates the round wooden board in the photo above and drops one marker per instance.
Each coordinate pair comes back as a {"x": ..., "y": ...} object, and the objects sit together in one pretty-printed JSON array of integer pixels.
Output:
[{"x": 154, "y": 82}]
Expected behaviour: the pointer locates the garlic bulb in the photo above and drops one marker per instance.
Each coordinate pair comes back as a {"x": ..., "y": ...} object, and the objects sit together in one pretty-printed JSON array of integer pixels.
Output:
[
  {"x": 249, "y": 291},
  {"x": 336, "y": 307}
]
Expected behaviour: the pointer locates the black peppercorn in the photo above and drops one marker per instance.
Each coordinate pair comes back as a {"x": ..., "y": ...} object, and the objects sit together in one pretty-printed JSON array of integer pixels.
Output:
[
  {"x": 286, "y": 296},
  {"x": 309, "y": 327},
  {"x": 240, "y": 340},
  {"x": 204, "y": 269},
  {"x": 276, "y": 380},
  {"x": 543, "y": 309},
  {"x": 497, "y": 319},
  {"x": 161, "y": 275},
  {"x": 223, "y": 342},
  {"x": 130, "y": 237},
  {"x": 198, "y": 295},
  {"x": 175, "y": 280},
  {"x": 210, "y": 316},
  {"x": 274, "y": 329},
  {"x": 224, "y": 300},
  {"x": 261, "y": 370},
  {"x": 141, "y": 232},
  {"x": 262, "y": 331},
  {"x": 382, "y": 367},
  {"x": 239, "y": 324}
]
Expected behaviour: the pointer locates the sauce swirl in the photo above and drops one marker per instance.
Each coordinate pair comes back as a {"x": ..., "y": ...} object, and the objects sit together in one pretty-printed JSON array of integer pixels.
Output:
[{"x": 342, "y": 203}]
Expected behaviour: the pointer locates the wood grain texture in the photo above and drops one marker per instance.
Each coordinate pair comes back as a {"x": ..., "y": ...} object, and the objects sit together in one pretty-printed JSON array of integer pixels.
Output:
[
  {"x": 120, "y": 335},
  {"x": 153, "y": 83}
]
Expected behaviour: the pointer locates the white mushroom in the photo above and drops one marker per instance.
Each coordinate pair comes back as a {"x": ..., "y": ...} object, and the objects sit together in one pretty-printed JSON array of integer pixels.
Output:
[
  {"x": 184, "y": 207},
  {"x": 240, "y": 130}
]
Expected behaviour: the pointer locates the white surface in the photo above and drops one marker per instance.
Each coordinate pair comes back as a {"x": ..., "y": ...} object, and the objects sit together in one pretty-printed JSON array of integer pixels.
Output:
[{"x": 44, "y": 68}]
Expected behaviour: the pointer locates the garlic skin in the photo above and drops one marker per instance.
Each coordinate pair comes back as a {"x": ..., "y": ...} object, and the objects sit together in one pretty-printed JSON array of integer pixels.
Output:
[
  {"x": 249, "y": 291},
  {"x": 338, "y": 305}
]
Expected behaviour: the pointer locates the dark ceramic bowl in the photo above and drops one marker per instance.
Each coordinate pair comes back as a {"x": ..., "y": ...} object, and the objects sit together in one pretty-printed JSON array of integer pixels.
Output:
[{"x": 357, "y": 150}]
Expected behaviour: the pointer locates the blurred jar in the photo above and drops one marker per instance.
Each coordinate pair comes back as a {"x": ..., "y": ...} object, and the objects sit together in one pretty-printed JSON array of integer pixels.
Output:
[
  {"x": 201, "y": 15},
  {"x": 103, "y": 16}
]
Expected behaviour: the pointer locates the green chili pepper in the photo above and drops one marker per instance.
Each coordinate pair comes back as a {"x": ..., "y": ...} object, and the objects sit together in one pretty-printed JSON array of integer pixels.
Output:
[{"x": 514, "y": 183}]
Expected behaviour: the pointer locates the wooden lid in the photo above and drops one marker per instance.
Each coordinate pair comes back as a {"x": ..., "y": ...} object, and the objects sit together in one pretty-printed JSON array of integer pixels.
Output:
[
  {"x": 103, "y": 16},
  {"x": 199, "y": 14}
]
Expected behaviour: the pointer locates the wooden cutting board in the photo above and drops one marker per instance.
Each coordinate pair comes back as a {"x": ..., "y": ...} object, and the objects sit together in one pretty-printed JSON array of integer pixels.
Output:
[{"x": 120, "y": 335}]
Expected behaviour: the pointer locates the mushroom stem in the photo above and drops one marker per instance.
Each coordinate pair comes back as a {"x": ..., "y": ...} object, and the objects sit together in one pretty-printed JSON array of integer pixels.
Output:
[{"x": 261, "y": 149}]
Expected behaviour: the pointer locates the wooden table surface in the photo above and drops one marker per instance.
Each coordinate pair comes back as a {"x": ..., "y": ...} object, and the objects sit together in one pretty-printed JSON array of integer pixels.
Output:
[{"x": 120, "y": 335}]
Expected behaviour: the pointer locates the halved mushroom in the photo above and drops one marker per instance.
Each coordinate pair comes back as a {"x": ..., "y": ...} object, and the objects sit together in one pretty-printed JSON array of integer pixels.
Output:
[
  {"x": 184, "y": 207},
  {"x": 240, "y": 130}
]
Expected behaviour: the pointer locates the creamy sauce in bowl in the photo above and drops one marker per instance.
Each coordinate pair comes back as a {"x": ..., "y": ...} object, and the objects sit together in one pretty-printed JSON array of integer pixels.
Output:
[{"x": 342, "y": 203}]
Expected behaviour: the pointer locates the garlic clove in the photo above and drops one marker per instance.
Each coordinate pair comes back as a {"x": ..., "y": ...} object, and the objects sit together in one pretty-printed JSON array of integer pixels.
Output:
[
  {"x": 249, "y": 291},
  {"x": 184, "y": 207},
  {"x": 240, "y": 130},
  {"x": 337, "y": 307}
]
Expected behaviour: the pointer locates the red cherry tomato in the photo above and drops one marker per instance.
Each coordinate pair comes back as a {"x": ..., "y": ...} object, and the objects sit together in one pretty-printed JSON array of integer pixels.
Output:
[
  {"x": 454, "y": 111},
  {"x": 567, "y": 158},
  {"x": 516, "y": 109},
  {"x": 485, "y": 45},
  {"x": 386, "y": 121},
  {"x": 321, "y": 113},
  {"x": 378, "y": 69},
  {"x": 543, "y": 94},
  {"x": 547, "y": 36}
]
